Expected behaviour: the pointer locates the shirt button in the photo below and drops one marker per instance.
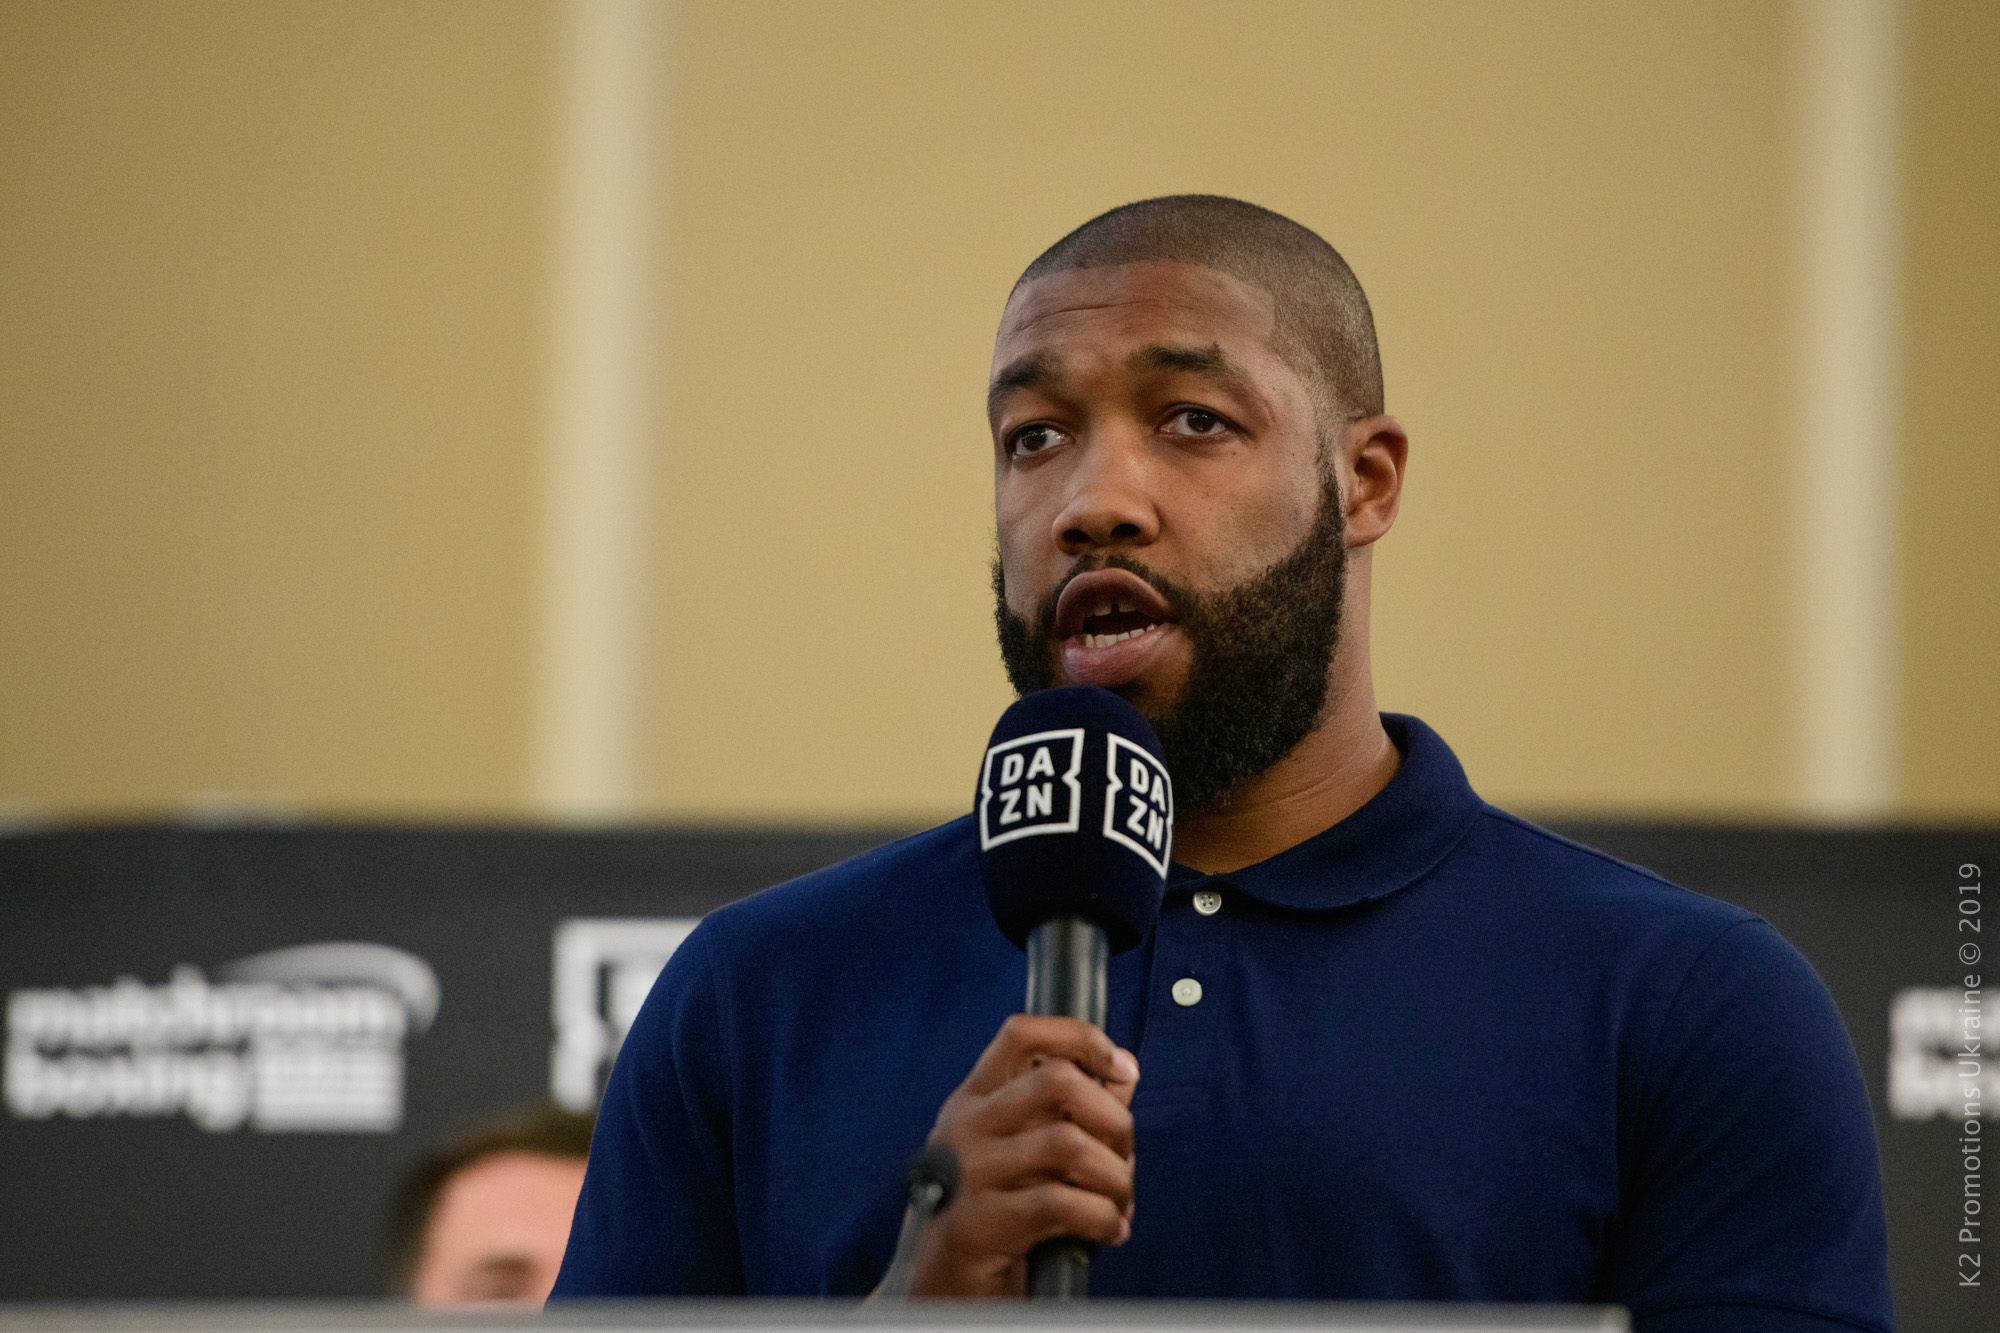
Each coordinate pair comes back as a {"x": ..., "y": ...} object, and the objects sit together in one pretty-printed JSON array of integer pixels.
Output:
[
  {"x": 1208, "y": 902},
  {"x": 1187, "y": 991}
]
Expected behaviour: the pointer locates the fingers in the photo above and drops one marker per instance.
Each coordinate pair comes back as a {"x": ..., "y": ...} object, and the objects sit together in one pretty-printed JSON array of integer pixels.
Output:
[
  {"x": 983, "y": 1251},
  {"x": 1056, "y": 1209},
  {"x": 1043, "y": 1131},
  {"x": 1055, "y": 1091},
  {"x": 1123, "y": 1080},
  {"x": 1061, "y": 1153},
  {"x": 1024, "y": 1039}
]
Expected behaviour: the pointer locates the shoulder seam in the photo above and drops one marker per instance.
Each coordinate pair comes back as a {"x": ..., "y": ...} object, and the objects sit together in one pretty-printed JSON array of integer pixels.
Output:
[
  {"x": 1667, "y": 1010},
  {"x": 1496, "y": 813},
  {"x": 725, "y": 1046},
  {"x": 860, "y": 861}
]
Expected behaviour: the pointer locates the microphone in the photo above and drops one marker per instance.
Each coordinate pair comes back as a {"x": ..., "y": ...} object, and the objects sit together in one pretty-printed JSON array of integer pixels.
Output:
[{"x": 1076, "y": 826}]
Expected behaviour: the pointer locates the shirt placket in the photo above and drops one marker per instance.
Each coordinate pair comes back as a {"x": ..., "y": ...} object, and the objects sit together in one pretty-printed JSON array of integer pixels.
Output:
[{"x": 1186, "y": 986}]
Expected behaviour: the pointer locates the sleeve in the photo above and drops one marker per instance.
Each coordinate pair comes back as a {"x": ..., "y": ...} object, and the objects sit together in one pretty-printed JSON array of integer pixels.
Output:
[
  {"x": 657, "y": 1214},
  {"x": 1753, "y": 1193}
]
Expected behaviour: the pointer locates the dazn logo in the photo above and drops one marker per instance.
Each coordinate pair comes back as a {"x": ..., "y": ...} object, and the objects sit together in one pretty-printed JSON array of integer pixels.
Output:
[
  {"x": 1139, "y": 802},
  {"x": 1030, "y": 786}
]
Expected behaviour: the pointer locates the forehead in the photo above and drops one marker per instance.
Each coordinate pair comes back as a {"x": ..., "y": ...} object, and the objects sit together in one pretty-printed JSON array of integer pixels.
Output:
[
  {"x": 498, "y": 1190},
  {"x": 1108, "y": 309}
]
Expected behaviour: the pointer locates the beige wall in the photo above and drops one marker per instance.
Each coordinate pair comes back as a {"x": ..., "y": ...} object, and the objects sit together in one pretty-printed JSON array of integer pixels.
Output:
[
  {"x": 1951, "y": 444},
  {"x": 274, "y": 337},
  {"x": 269, "y": 282}
]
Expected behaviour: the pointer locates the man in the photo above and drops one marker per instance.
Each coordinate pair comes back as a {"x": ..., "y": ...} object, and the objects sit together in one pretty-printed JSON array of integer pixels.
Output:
[
  {"x": 483, "y": 1220},
  {"x": 1394, "y": 1042}
]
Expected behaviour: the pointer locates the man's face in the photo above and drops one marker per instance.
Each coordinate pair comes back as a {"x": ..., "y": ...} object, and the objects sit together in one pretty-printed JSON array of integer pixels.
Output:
[
  {"x": 1167, "y": 525},
  {"x": 498, "y": 1230}
]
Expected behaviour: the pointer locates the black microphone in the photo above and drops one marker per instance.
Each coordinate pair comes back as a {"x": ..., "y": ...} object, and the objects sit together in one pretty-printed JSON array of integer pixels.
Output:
[
  {"x": 1076, "y": 826},
  {"x": 928, "y": 1184}
]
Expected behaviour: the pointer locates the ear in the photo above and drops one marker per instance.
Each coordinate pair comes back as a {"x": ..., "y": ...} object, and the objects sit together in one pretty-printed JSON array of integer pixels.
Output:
[{"x": 1371, "y": 456}]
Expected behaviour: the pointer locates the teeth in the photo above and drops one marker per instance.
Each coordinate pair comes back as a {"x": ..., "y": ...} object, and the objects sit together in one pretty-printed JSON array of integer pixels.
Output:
[{"x": 1106, "y": 640}]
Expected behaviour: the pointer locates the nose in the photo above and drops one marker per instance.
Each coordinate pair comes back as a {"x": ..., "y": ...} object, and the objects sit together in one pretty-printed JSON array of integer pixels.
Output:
[{"x": 1110, "y": 500}]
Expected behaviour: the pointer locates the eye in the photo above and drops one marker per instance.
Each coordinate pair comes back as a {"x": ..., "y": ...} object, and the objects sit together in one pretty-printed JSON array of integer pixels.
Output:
[
  {"x": 1033, "y": 439},
  {"x": 1197, "y": 421}
]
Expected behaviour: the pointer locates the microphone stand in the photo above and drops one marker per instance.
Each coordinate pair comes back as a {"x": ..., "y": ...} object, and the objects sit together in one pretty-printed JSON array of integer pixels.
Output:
[
  {"x": 929, "y": 1182},
  {"x": 1067, "y": 962}
]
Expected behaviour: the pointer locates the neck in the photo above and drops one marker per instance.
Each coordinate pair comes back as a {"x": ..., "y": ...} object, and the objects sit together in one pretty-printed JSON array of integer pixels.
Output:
[{"x": 1335, "y": 770}]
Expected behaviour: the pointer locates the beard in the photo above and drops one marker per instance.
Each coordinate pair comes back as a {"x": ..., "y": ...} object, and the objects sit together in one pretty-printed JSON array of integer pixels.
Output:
[{"x": 1261, "y": 651}]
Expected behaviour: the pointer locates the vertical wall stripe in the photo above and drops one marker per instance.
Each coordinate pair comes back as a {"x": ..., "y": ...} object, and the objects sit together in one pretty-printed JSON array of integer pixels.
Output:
[
  {"x": 587, "y": 698},
  {"x": 1845, "y": 483}
]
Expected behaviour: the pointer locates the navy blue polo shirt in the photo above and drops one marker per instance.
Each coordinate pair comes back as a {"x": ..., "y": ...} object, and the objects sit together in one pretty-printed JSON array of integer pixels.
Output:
[{"x": 1437, "y": 1053}]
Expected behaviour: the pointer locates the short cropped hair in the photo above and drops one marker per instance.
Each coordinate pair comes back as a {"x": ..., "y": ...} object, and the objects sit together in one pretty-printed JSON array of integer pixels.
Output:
[
  {"x": 1325, "y": 328},
  {"x": 542, "y": 1128}
]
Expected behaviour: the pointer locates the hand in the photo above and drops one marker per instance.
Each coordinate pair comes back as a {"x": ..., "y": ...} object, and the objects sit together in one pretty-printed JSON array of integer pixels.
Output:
[{"x": 1044, "y": 1149}]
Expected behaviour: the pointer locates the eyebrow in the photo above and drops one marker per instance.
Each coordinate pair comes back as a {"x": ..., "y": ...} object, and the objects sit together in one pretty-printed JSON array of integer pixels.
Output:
[
  {"x": 1209, "y": 362},
  {"x": 1036, "y": 370},
  {"x": 1026, "y": 372}
]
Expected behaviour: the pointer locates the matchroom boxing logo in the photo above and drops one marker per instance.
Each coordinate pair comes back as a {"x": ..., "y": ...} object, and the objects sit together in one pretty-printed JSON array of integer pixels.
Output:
[{"x": 308, "y": 1038}]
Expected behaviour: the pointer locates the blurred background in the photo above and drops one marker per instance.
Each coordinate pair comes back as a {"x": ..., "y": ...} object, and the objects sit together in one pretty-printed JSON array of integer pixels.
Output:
[
  {"x": 485, "y": 482},
  {"x": 511, "y": 408}
]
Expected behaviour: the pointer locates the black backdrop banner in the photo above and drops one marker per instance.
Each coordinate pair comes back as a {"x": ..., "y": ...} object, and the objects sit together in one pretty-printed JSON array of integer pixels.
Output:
[{"x": 225, "y": 1045}]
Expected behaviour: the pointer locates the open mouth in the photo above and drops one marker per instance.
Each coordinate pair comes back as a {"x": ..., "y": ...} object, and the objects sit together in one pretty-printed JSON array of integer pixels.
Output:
[
  {"x": 1107, "y": 606},
  {"x": 1112, "y": 625},
  {"x": 1116, "y": 622}
]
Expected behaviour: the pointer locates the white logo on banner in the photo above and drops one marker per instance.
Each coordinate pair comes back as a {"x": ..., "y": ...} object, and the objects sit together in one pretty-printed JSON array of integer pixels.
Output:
[
  {"x": 604, "y": 968},
  {"x": 308, "y": 1038},
  {"x": 1938, "y": 1061}
]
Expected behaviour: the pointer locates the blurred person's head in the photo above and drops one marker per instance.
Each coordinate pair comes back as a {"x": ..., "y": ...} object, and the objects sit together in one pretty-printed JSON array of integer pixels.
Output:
[{"x": 485, "y": 1217}]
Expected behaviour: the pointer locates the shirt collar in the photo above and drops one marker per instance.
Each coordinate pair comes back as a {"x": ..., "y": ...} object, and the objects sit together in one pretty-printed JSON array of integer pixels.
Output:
[{"x": 1403, "y": 830}]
